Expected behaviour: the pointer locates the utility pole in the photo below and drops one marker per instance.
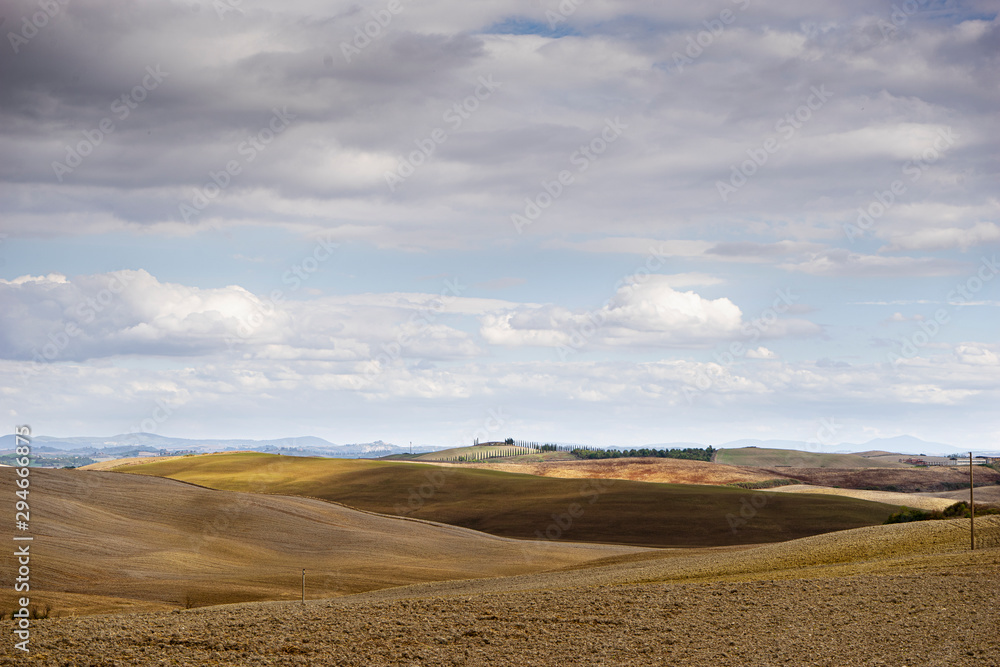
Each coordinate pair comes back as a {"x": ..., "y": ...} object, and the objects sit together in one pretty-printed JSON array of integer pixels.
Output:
[
  {"x": 972, "y": 507},
  {"x": 303, "y": 585}
]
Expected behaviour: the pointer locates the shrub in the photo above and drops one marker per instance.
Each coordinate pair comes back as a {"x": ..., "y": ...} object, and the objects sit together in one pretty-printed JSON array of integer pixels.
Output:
[
  {"x": 908, "y": 514},
  {"x": 959, "y": 510},
  {"x": 765, "y": 484}
]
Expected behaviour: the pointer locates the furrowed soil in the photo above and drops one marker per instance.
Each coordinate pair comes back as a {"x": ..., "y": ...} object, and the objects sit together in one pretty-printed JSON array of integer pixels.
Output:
[
  {"x": 901, "y": 595},
  {"x": 113, "y": 542}
]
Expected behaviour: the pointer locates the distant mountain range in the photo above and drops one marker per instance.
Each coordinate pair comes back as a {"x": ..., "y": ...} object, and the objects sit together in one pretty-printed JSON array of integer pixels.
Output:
[
  {"x": 127, "y": 444},
  {"x": 900, "y": 444}
]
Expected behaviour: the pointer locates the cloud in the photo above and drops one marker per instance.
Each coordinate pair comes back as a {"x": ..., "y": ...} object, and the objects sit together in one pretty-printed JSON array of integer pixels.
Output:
[
  {"x": 842, "y": 263},
  {"x": 55, "y": 318},
  {"x": 650, "y": 198},
  {"x": 947, "y": 238},
  {"x": 501, "y": 283},
  {"x": 899, "y": 317},
  {"x": 642, "y": 313},
  {"x": 638, "y": 246},
  {"x": 761, "y": 252}
]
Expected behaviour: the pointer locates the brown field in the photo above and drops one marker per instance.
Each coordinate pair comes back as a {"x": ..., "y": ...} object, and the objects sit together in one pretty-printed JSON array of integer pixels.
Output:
[
  {"x": 532, "y": 507},
  {"x": 984, "y": 494},
  {"x": 131, "y": 461},
  {"x": 667, "y": 471},
  {"x": 142, "y": 460},
  {"x": 388, "y": 590},
  {"x": 889, "y": 457},
  {"x": 761, "y": 457},
  {"x": 909, "y": 594},
  {"x": 907, "y": 480},
  {"x": 918, "y": 501},
  {"x": 114, "y": 542}
]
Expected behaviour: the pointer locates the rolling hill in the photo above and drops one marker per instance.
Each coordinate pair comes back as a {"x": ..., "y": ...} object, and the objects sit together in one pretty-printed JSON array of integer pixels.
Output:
[
  {"x": 526, "y": 506},
  {"x": 666, "y": 471},
  {"x": 839, "y": 599},
  {"x": 772, "y": 458},
  {"x": 114, "y": 542},
  {"x": 907, "y": 480}
]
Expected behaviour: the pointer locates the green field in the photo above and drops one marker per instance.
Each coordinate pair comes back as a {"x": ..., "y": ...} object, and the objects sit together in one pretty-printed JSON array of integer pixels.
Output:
[
  {"x": 526, "y": 506},
  {"x": 757, "y": 457}
]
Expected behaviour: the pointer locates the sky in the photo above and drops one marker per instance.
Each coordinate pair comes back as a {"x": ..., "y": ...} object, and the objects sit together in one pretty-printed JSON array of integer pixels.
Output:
[{"x": 613, "y": 223}]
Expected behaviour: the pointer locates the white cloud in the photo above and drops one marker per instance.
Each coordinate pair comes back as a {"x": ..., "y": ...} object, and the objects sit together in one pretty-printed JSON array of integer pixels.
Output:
[
  {"x": 842, "y": 263},
  {"x": 947, "y": 237},
  {"x": 130, "y": 312},
  {"x": 649, "y": 312},
  {"x": 650, "y": 198}
]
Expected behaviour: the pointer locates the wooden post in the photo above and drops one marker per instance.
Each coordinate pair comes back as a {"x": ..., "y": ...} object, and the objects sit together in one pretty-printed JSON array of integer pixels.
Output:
[
  {"x": 972, "y": 507},
  {"x": 303, "y": 585}
]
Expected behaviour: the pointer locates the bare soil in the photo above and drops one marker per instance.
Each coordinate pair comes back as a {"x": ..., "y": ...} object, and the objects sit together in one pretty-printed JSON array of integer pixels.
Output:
[
  {"x": 983, "y": 494},
  {"x": 932, "y": 619},
  {"x": 907, "y": 480},
  {"x": 919, "y": 501},
  {"x": 898, "y": 595},
  {"x": 666, "y": 471},
  {"x": 113, "y": 542}
]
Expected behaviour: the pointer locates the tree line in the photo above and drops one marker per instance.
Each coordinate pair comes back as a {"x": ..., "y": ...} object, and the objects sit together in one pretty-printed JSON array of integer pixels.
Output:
[{"x": 688, "y": 453}]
